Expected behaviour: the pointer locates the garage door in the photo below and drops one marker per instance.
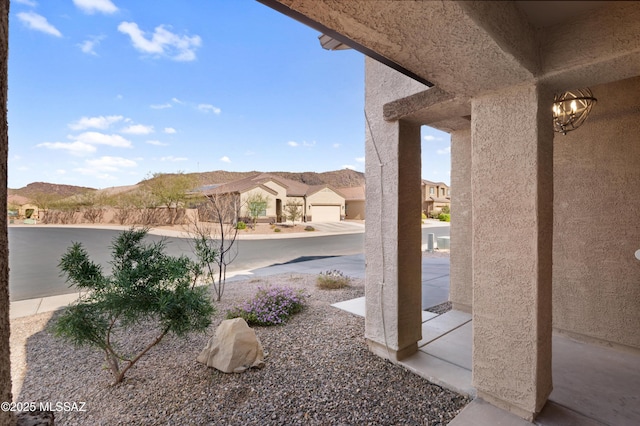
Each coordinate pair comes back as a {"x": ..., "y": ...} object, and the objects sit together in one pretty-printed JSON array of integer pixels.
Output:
[{"x": 325, "y": 213}]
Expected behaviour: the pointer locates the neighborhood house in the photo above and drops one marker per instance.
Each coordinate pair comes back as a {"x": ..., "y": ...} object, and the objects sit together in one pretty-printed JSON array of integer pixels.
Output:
[{"x": 318, "y": 203}]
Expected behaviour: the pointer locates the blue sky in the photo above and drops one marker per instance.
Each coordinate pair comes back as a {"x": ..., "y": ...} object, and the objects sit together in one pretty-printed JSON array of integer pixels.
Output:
[{"x": 104, "y": 92}]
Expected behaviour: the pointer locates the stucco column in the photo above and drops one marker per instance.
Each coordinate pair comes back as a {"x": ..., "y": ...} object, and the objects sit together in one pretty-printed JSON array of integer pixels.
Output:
[
  {"x": 393, "y": 240},
  {"x": 6, "y": 418},
  {"x": 512, "y": 184},
  {"x": 461, "y": 277}
]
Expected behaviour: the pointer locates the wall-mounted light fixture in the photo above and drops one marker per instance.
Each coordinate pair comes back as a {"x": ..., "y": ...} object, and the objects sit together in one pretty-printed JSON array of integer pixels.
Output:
[{"x": 571, "y": 109}]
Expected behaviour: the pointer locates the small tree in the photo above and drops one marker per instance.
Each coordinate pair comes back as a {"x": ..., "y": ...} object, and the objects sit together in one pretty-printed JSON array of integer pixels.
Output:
[
  {"x": 146, "y": 284},
  {"x": 293, "y": 210},
  {"x": 214, "y": 238},
  {"x": 170, "y": 190},
  {"x": 256, "y": 206}
]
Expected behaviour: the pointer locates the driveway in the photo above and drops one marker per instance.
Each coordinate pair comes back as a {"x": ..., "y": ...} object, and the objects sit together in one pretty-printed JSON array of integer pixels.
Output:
[{"x": 338, "y": 227}]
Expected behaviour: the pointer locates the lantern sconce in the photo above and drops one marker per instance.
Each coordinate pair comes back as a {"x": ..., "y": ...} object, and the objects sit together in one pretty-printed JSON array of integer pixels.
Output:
[{"x": 571, "y": 109}]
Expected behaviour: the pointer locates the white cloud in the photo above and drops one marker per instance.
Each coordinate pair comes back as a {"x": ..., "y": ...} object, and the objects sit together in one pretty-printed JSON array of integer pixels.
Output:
[
  {"x": 178, "y": 101},
  {"x": 293, "y": 143},
  {"x": 88, "y": 46},
  {"x": 97, "y": 138},
  {"x": 161, "y": 106},
  {"x": 305, "y": 143},
  {"x": 39, "y": 23},
  {"x": 209, "y": 108},
  {"x": 92, "y": 6},
  {"x": 26, "y": 2},
  {"x": 173, "y": 159},
  {"x": 157, "y": 143},
  {"x": 74, "y": 148},
  {"x": 360, "y": 159},
  {"x": 349, "y": 166},
  {"x": 162, "y": 43},
  {"x": 225, "y": 159},
  {"x": 169, "y": 130},
  {"x": 336, "y": 145},
  {"x": 119, "y": 97},
  {"x": 95, "y": 122},
  {"x": 444, "y": 151},
  {"x": 138, "y": 129},
  {"x": 110, "y": 164}
]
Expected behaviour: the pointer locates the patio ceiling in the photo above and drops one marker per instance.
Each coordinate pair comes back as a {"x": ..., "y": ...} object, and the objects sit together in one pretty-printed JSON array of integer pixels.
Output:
[{"x": 466, "y": 49}]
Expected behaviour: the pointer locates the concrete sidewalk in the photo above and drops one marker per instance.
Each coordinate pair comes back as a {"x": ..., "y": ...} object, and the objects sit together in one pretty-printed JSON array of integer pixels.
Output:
[{"x": 435, "y": 280}]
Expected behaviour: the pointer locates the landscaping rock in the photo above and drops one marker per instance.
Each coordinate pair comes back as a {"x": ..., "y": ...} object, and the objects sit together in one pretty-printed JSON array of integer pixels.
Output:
[
  {"x": 234, "y": 348},
  {"x": 35, "y": 418}
]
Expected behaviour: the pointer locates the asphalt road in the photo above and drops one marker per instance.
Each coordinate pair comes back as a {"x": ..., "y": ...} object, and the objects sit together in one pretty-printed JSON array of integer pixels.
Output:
[{"x": 34, "y": 254}]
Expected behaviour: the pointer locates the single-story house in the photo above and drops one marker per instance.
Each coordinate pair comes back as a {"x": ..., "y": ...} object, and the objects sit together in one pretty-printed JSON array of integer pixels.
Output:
[
  {"x": 354, "y": 202},
  {"x": 318, "y": 203}
]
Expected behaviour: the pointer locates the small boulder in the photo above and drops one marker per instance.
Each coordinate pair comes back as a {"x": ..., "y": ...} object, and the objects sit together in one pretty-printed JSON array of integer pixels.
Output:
[{"x": 234, "y": 348}]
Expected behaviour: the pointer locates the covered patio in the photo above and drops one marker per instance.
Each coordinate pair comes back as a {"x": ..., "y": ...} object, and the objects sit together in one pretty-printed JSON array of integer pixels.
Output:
[
  {"x": 593, "y": 385},
  {"x": 544, "y": 224}
]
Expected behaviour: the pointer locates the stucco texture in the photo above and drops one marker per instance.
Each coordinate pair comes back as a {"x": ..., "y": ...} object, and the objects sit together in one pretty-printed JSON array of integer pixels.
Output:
[
  {"x": 512, "y": 154},
  {"x": 461, "y": 276},
  {"x": 393, "y": 238},
  {"x": 596, "y": 277}
]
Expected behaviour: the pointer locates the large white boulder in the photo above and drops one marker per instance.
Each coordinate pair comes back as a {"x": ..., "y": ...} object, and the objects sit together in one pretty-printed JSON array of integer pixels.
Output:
[{"x": 234, "y": 348}]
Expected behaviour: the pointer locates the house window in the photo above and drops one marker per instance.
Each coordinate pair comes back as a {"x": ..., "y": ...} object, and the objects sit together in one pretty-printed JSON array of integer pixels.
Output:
[
  {"x": 431, "y": 192},
  {"x": 443, "y": 192}
]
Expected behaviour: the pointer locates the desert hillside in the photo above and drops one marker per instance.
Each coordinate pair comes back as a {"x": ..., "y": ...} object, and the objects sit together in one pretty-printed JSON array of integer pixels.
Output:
[{"x": 338, "y": 179}]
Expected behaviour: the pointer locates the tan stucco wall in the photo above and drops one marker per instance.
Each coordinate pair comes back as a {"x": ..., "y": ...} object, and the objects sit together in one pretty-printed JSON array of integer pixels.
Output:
[
  {"x": 355, "y": 210},
  {"x": 281, "y": 191},
  {"x": 327, "y": 197},
  {"x": 271, "y": 201},
  {"x": 512, "y": 239},
  {"x": 596, "y": 277},
  {"x": 393, "y": 239},
  {"x": 461, "y": 278}
]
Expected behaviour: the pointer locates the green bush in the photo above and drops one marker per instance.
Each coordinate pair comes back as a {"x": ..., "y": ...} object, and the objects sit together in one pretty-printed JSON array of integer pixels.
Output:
[
  {"x": 332, "y": 280},
  {"x": 270, "y": 306},
  {"x": 146, "y": 284},
  {"x": 444, "y": 217},
  {"x": 445, "y": 209},
  {"x": 277, "y": 230},
  {"x": 424, "y": 216},
  {"x": 241, "y": 225},
  {"x": 309, "y": 228}
]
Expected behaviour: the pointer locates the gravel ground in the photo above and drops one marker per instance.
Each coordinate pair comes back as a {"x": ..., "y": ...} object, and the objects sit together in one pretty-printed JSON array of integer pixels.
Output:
[{"x": 318, "y": 372}]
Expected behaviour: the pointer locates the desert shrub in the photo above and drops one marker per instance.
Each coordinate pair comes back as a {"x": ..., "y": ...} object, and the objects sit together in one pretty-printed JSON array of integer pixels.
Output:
[
  {"x": 309, "y": 228},
  {"x": 424, "y": 216},
  {"x": 332, "y": 280},
  {"x": 444, "y": 217},
  {"x": 434, "y": 214},
  {"x": 146, "y": 285},
  {"x": 445, "y": 209},
  {"x": 270, "y": 306},
  {"x": 241, "y": 225},
  {"x": 277, "y": 230}
]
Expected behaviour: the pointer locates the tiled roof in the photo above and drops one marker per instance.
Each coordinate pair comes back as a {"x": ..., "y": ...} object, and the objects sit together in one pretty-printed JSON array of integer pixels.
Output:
[
  {"x": 356, "y": 193},
  {"x": 293, "y": 188}
]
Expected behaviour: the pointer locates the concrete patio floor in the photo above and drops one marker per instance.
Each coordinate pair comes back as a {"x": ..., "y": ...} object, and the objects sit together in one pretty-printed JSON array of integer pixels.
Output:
[{"x": 593, "y": 385}]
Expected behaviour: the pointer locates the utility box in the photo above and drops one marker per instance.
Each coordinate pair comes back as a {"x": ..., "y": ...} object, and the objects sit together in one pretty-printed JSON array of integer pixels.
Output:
[{"x": 444, "y": 243}]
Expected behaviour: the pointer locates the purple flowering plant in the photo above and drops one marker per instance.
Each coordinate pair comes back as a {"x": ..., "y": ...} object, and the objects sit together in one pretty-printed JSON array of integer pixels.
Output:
[{"x": 270, "y": 306}]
